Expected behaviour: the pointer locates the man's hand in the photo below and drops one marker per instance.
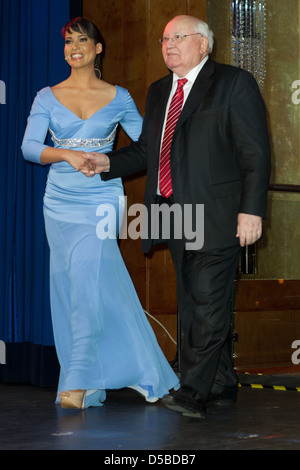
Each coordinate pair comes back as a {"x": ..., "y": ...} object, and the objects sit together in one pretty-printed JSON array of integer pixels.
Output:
[
  {"x": 99, "y": 162},
  {"x": 249, "y": 228}
]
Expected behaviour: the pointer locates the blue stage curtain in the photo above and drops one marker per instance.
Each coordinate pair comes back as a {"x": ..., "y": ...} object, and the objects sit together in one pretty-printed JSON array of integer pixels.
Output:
[{"x": 31, "y": 58}]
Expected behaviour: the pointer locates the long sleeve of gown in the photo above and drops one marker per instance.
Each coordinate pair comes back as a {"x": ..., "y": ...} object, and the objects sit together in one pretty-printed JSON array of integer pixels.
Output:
[
  {"x": 36, "y": 131},
  {"x": 131, "y": 121}
]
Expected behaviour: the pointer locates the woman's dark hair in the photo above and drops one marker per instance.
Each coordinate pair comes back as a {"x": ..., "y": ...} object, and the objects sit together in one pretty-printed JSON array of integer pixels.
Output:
[{"x": 82, "y": 25}]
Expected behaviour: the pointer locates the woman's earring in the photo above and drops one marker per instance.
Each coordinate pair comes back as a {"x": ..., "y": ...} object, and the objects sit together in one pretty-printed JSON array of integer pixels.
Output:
[{"x": 98, "y": 73}]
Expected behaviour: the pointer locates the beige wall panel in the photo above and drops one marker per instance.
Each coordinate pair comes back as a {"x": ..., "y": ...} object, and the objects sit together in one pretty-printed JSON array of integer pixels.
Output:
[{"x": 164, "y": 335}]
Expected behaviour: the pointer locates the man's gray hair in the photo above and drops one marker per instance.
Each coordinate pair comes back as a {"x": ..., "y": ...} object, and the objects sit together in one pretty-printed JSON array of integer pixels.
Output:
[{"x": 203, "y": 28}]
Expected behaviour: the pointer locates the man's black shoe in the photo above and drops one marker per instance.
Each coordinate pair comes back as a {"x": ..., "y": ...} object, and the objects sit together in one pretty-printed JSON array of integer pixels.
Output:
[
  {"x": 186, "y": 401},
  {"x": 226, "y": 398}
]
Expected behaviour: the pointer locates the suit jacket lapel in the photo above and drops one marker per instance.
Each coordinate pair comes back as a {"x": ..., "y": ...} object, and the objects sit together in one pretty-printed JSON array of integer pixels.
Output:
[{"x": 198, "y": 92}]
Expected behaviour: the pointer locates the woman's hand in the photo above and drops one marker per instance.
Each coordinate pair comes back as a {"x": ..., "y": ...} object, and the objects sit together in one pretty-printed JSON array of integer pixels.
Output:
[
  {"x": 99, "y": 163},
  {"x": 79, "y": 161}
]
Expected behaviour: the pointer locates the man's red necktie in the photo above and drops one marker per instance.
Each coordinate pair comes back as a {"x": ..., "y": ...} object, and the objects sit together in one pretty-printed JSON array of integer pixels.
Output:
[{"x": 165, "y": 184}]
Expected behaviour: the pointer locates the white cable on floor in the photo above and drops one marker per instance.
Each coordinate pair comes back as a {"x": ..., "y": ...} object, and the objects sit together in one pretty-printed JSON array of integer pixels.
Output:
[{"x": 161, "y": 326}]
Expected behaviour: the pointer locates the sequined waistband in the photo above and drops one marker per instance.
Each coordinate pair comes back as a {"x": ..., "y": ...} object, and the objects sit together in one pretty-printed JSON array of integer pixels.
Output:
[{"x": 83, "y": 142}]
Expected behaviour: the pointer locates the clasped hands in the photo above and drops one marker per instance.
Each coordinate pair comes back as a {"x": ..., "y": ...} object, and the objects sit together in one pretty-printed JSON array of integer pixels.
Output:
[{"x": 93, "y": 163}]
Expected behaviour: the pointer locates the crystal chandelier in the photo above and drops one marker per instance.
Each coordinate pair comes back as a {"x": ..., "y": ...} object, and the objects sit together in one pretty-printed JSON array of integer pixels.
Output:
[{"x": 249, "y": 37}]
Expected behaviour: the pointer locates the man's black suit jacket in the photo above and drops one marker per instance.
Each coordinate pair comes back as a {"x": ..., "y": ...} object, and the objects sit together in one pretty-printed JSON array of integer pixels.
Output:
[{"x": 220, "y": 154}]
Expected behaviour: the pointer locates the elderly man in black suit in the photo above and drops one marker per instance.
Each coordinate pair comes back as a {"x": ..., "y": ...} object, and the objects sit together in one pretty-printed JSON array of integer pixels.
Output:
[{"x": 212, "y": 151}]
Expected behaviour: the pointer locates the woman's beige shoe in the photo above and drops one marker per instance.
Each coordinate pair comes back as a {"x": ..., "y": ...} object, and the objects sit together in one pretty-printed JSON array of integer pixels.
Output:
[{"x": 73, "y": 399}]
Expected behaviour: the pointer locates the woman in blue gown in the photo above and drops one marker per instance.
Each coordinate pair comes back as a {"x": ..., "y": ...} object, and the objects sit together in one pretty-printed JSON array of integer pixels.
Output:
[{"x": 102, "y": 336}]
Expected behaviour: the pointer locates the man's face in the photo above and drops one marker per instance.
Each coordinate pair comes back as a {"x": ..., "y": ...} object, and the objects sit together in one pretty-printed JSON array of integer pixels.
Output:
[{"x": 181, "y": 58}]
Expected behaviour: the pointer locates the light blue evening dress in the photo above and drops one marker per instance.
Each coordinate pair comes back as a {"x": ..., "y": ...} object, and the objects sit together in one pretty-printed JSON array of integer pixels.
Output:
[{"x": 102, "y": 336}]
